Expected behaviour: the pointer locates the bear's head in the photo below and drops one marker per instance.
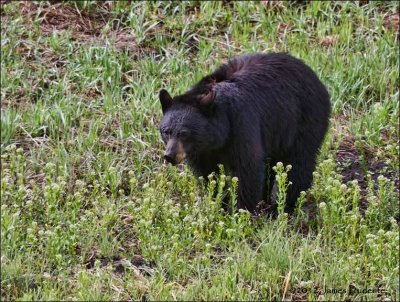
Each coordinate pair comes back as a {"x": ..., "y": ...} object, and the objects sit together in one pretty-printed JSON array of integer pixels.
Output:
[{"x": 187, "y": 125}]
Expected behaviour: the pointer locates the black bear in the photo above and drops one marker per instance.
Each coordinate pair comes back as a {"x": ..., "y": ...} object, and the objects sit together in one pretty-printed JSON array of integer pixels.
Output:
[{"x": 249, "y": 114}]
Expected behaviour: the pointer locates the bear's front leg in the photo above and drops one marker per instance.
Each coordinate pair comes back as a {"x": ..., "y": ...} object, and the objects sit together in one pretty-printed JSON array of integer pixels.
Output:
[{"x": 251, "y": 176}]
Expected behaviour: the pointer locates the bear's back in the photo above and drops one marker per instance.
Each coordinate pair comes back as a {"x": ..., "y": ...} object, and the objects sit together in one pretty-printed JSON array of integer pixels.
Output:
[
  {"x": 264, "y": 69},
  {"x": 264, "y": 79}
]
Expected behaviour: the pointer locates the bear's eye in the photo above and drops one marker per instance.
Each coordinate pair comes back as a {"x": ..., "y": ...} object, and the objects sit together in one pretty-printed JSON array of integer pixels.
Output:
[
  {"x": 166, "y": 132},
  {"x": 184, "y": 134}
]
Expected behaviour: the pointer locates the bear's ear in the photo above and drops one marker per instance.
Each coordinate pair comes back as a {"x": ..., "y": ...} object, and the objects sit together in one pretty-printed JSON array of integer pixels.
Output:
[
  {"x": 165, "y": 99},
  {"x": 207, "y": 98}
]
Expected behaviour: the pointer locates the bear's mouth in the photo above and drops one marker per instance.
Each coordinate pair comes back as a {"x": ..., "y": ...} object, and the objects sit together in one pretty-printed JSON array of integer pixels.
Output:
[
  {"x": 175, "y": 160},
  {"x": 180, "y": 157}
]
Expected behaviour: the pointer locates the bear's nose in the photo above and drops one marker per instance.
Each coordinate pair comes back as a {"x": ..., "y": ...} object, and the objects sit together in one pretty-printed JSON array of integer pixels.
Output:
[{"x": 169, "y": 158}]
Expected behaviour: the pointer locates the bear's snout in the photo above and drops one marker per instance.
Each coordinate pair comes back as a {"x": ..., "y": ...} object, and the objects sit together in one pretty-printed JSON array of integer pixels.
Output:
[
  {"x": 170, "y": 158},
  {"x": 174, "y": 153}
]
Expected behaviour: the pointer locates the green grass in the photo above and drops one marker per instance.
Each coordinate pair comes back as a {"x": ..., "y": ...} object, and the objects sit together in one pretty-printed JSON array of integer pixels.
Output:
[{"x": 90, "y": 212}]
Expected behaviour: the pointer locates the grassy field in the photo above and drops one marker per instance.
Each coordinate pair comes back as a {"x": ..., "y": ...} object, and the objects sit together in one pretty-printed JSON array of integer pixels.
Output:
[{"x": 89, "y": 211}]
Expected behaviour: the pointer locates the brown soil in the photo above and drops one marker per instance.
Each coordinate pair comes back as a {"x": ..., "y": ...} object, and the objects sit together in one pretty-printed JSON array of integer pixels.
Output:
[
  {"x": 391, "y": 22},
  {"x": 119, "y": 264},
  {"x": 355, "y": 167},
  {"x": 83, "y": 26}
]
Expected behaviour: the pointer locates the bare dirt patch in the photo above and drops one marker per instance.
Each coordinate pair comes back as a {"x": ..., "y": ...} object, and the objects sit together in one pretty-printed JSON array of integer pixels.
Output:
[
  {"x": 137, "y": 263},
  {"x": 329, "y": 40},
  {"x": 84, "y": 27},
  {"x": 391, "y": 22},
  {"x": 353, "y": 166},
  {"x": 59, "y": 17}
]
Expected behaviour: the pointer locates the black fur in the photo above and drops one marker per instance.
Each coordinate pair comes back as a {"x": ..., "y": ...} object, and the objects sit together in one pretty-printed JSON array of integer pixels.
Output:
[{"x": 249, "y": 114}]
